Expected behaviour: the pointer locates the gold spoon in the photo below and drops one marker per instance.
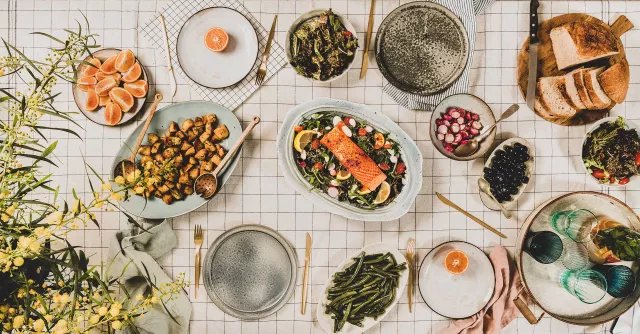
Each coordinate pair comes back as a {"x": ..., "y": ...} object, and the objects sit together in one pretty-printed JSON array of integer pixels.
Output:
[
  {"x": 207, "y": 184},
  {"x": 472, "y": 145},
  {"x": 128, "y": 165},
  {"x": 485, "y": 187}
]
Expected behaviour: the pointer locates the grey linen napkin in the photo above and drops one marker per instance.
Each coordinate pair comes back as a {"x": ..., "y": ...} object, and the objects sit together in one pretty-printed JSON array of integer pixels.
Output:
[
  {"x": 466, "y": 10},
  {"x": 146, "y": 248}
]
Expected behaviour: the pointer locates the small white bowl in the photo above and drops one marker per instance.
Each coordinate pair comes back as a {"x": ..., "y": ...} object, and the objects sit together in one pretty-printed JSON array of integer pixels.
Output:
[
  {"x": 530, "y": 165},
  {"x": 630, "y": 125},
  {"x": 311, "y": 14}
]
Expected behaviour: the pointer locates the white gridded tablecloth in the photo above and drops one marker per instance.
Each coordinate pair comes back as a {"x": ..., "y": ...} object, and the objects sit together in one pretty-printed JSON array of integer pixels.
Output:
[{"x": 257, "y": 193}]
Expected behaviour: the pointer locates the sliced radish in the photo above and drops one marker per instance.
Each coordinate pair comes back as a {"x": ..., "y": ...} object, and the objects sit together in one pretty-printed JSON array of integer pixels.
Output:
[
  {"x": 460, "y": 120},
  {"x": 464, "y": 134},
  {"x": 333, "y": 192},
  {"x": 449, "y": 138},
  {"x": 447, "y": 117},
  {"x": 442, "y": 129},
  {"x": 327, "y": 128},
  {"x": 303, "y": 155},
  {"x": 462, "y": 127},
  {"x": 463, "y": 142},
  {"x": 440, "y": 136},
  {"x": 448, "y": 147},
  {"x": 439, "y": 121},
  {"x": 447, "y": 123},
  {"x": 334, "y": 183},
  {"x": 350, "y": 121},
  {"x": 393, "y": 159},
  {"x": 474, "y": 131},
  {"x": 368, "y": 128},
  {"x": 467, "y": 116},
  {"x": 451, "y": 109},
  {"x": 347, "y": 131},
  {"x": 476, "y": 125},
  {"x": 331, "y": 167},
  {"x": 462, "y": 112},
  {"x": 332, "y": 172},
  {"x": 455, "y": 114},
  {"x": 336, "y": 120},
  {"x": 455, "y": 127},
  {"x": 457, "y": 139},
  {"x": 475, "y": 116}
]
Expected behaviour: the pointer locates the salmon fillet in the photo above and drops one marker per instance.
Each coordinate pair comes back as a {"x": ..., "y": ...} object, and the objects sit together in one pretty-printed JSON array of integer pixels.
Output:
[{"x": 352, "y": 157}]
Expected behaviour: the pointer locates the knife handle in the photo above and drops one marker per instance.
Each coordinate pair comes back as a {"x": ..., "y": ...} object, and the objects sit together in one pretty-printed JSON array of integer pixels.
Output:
[{"x": 533, "y": 19}]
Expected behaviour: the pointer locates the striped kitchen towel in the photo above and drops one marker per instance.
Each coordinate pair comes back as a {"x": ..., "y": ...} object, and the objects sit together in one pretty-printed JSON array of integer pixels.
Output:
[{"x": 466, "y": 10}]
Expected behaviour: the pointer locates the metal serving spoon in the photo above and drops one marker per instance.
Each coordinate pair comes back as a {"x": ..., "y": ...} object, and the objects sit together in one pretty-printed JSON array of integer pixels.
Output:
[
  {"x": 128, "y": 165},
  {"x": 472, "y": 145},
  {"x": 207, "y": 184},
  {"x": 485, "y": 187}
]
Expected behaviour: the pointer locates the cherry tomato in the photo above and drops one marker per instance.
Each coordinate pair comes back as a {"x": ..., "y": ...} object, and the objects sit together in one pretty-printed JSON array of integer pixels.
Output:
[
  {"x": 347, "y": 33},
  {"x": 315, "y": 144},
  {"x": 612, "y": 179},
  {"x": 384, "y": 166},
  {"x": 303, "y": 164},
  {"x": 379, "y": 138},
  {"x": 318, "y": 166},
  {"x": 298, "y": 128},
  {"x": 400, "y": 168},
  {"x": 638, "y": 159},
  {"x": 362, "y": 132},
  {"x": 623, "y": 180},
  {"x": 347, "y": 120},
  {"x": 598, "y": 174}
]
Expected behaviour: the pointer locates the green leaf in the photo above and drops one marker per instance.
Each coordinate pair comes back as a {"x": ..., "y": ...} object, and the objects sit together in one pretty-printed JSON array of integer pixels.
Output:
[
  {"x": 47, "y": 35},
  {"x": 57, "y": 129},
  {"x": 29, "y": 61},
  {"x": 36, "y": 157}
]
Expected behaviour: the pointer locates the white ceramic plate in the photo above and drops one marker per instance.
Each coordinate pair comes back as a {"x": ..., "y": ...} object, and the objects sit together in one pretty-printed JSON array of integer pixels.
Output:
[
  {"x": 325, "y": 320},
  {"x": 471, "y": 103},
  {"x": 408, "y": 150},
  {"x": 596, "y": 125},
  {"x": 217, "y": 69},
  {"x": 456, "y": 296},
  {"x": 155, "y": 208},
  {"x": 530, "y": 166}
]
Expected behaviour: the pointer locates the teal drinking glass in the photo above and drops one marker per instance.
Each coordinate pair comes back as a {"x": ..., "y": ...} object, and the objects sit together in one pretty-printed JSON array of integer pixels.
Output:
[
  {"x": 588, "y": 285},
  {"x": 574, "y": 224},
  {"x": 544, "y": 246},
  {"x": 621, "y": 280}
]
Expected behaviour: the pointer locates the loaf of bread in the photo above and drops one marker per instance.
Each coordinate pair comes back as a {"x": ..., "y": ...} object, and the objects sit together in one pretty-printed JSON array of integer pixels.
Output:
[
  {"x": 554, "y": 97},
  {"x": 615, "y": 82},
  {"x": 579, "y": 42}
]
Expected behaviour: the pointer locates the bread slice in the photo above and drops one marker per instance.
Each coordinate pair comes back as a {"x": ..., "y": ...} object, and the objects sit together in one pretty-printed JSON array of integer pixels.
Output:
[
  {"x": 579, "y": 42},
  {"x": 573, "y": 91},
  {"x": 554, "y": 96},
  {"x": 578, "y": 80},
  {"x": 599, "y": 98},
  {"x": 615, "y": 82}
]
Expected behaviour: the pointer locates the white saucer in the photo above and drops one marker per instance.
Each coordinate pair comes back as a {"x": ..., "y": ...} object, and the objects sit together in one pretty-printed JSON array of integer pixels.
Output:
[
  {"x": 456, "y": 296},
  {"x": 217, "y": 69}
]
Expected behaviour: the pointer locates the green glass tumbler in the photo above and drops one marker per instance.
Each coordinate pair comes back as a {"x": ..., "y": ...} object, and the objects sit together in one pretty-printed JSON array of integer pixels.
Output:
[
  {"x": 574, "y": 224},
  {"x": 588, "y": 285}
]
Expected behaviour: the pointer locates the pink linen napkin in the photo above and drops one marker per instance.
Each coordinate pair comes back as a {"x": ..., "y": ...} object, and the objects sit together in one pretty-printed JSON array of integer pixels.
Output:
[{"x": 500, "y": 310}]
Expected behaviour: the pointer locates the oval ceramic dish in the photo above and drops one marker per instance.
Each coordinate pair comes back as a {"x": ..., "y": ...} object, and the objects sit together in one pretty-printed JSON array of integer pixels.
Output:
[
  {"x": 409, "y": 151},
  {"x": 596, "y": 125},
  {"x": 250, "y": 272},
  {"x": 306, "y": 16},
  {"x": 422, "y": 47},
  {"x": 541, "y": 282},
  {"x": 530, "y": 165},
  {"x": 325, "y": 320},
  {"x": 471, "y": 103},
  {"x": 155, "y": 208},
  {"x": 97, "y": 116}
]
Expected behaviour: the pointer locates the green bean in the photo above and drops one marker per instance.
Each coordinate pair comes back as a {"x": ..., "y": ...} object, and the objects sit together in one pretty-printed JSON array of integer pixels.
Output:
[{"x": 360, "y": 261}]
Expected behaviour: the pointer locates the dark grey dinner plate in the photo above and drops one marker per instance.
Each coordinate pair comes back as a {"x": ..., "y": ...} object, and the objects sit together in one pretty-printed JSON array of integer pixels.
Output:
[
  {"x": 250, "y": 271},
  {"x": 422, "y": 47}
]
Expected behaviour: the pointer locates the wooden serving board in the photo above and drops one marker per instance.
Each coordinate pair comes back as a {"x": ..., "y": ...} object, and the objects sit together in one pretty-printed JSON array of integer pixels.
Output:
[{"x": 547, "y": 61}]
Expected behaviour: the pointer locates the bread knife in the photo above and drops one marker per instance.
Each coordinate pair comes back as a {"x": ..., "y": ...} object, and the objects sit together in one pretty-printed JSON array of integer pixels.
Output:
[{"x": 533, "y": 53}]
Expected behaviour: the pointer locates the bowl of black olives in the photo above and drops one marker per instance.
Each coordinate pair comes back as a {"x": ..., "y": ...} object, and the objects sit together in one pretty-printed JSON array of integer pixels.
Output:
[{"x": 509, "y": 171}]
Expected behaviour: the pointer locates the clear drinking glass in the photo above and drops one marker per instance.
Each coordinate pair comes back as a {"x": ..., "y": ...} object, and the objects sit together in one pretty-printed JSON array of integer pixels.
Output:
[
  {"x": 544, "y": 246},
  {"x": 588, "y": 285},
  {"x": 575, "y": 255},
  {"x": 575, "y": 224}
]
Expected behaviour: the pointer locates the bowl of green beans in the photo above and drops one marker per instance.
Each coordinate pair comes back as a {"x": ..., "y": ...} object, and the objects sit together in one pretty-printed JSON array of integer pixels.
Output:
[{"x": 363, "y": 289}]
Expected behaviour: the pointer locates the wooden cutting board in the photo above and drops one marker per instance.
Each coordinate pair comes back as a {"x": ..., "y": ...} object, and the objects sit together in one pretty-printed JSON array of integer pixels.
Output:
[{"x": 547, "y": 61}]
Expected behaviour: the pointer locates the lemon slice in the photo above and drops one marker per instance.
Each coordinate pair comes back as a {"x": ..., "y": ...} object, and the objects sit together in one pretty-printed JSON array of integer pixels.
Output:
[
  {"x": 343, "y": 175},
  {"x": 302, "y": 139},
  {"x": 364, "y": 191},
  {"x": 383, "y": 193}
]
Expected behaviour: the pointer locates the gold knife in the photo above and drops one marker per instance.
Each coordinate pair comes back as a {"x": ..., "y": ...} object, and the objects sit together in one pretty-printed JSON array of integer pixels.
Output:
[
  {"x": 307, "y": 259},
  {"x": 172, "y": 77},
  {"x": 367, "y": 41},
  {"x": 474, "y": 218}
]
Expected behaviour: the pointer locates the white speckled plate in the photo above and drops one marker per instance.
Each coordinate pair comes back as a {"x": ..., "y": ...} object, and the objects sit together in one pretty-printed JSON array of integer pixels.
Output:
[
  {"x": 155, "y": 208},
  {"x": 409, "y": 151},
  {"x": 529, "y": 165},
  {"x": 217, "y": 69},
  {"x": 325, "y": 320},
  {"x": 250, "y": 271},
  {"x": 422, "y": 47},
  {"x": 456, "y": 296}
]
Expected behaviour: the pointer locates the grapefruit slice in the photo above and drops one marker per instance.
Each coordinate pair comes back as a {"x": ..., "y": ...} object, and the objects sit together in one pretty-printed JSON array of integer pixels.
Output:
[
  {"x": 456, "y": 262},
  {"x": 133, "y": 73},
  {"x": 89, "y": 71},
  {"x": 109, "y": 65},
  {"x": 121, "y": 97},
  {"x": 101, "y": 76},
  {"x": 86, "y": 83},
  {"x": 103, "y": 87},
  {"x": 125, "y": 60},
  {"x": 137, "y": 88},
  {"x": 112, "y": 114},
  {"x": 216, "y": 39},
  {"x": 92, "y": 100},
  {"x": 104, "y": 100}
]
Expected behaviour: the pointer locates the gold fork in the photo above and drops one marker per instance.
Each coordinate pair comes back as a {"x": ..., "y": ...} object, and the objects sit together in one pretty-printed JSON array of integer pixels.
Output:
[
  {"x": 197, "y": 240},
  {"x": 262, "y": 71},
  {"x": 411, "y": 249}
]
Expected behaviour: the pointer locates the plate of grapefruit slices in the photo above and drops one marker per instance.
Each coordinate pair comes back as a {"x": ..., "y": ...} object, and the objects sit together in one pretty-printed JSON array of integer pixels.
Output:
[{"x": 114, "y": 89}]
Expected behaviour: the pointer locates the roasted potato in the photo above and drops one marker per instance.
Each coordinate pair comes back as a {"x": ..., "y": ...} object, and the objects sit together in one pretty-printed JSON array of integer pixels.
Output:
[
  {"x": 167, "y": 198},
  {"x": 201, "y": 155},
  {"x": 210, "y": 118},
  {"x": 185, "y": 146},
  {"x": 190, "y": 151},
  {"x": 187, "y": 124},
  {"x": 216, "y": 160},
  {"x": 152, "y": 138},
  {"x": 144, "y": 150},
  {"x": 209, "y": 146},
  {"x": 205, "y": 136},
  {"x": 221, "y": 132},
  {"x": 170, "y": 152},
  {"x": 173, "y": 127},
  {"x": 194, "y": 173},
  {"x": 188, "y": 190},
  {"x": 156, "y": 147},
  {"x": 180, "y": 135}
]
